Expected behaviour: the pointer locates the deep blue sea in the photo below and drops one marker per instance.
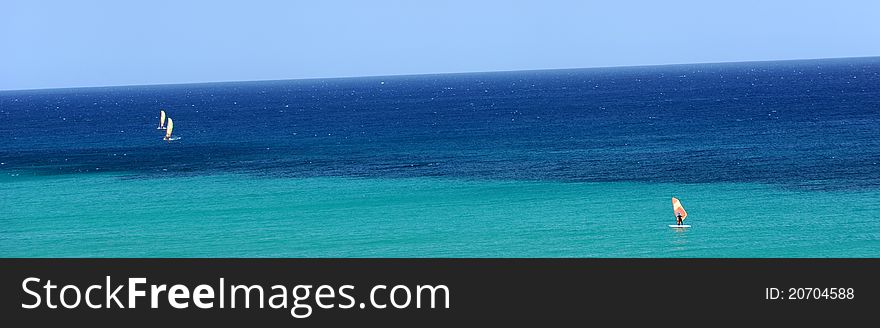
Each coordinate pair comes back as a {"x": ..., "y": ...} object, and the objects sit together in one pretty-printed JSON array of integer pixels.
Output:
[{"x": 771, "y": 159}]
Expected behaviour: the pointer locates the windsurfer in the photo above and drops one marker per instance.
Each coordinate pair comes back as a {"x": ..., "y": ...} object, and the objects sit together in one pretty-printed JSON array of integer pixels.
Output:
[
  {"x": 680, "y": 213},
  {"x": 168, "y": 130}
]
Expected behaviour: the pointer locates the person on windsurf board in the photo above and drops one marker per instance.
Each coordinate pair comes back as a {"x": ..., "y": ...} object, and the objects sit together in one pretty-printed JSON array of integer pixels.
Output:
[
  {"x": 161, "y": 120},
  {"x": 680, "y": 213},
  {"x": 169, "y": 129}
]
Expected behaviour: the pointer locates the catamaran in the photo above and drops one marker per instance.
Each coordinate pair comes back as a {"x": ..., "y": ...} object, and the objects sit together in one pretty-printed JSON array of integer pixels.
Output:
[
  {"x": 161, "y": 120},
  {"x": 679, "y": 213},
  {"x": 169, "y": 129}
]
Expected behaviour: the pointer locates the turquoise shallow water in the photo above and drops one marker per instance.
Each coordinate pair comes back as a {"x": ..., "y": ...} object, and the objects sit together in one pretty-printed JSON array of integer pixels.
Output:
[{"x": 239, "y": 215}]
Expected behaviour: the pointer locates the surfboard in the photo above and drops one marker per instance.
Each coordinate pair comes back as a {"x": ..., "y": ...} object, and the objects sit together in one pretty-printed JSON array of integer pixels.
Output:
[{"x": 679, "y": 226}]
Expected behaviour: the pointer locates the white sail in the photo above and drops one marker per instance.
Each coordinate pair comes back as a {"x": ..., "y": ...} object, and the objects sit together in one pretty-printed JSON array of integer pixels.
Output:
[
  {"x": 169, "y": 129},
  {"x": 161, "y": 119}
]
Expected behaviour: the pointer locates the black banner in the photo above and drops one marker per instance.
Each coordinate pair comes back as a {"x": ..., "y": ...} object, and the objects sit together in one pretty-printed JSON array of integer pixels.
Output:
[{"x": 462, "y": 291}]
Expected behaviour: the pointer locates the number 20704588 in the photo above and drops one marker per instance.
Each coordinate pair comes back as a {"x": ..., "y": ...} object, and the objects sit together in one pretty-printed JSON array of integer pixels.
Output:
[{"x": 809, "y": 293}]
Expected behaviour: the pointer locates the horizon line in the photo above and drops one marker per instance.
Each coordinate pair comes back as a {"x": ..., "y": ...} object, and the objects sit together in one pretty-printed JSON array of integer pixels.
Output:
[{"x": 438, "y": 73}]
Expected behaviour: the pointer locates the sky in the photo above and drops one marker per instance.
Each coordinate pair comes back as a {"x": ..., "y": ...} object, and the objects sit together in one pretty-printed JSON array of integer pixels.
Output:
[{"x": 56, "y": 44}]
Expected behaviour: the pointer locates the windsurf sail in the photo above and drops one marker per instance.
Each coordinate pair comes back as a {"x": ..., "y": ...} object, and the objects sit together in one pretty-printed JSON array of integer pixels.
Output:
[
  {"x": 161, "y": 119},
  {"x": 676, "y": 204},
  {"x": 170, "y": 127}
]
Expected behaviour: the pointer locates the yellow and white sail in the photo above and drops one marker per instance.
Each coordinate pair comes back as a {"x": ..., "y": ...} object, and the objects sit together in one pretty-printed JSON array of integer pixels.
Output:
[
  {"x": 169, "y": 129},
  {"x": 676, "y": 206},
  {"x": 161, "y": 119}
]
